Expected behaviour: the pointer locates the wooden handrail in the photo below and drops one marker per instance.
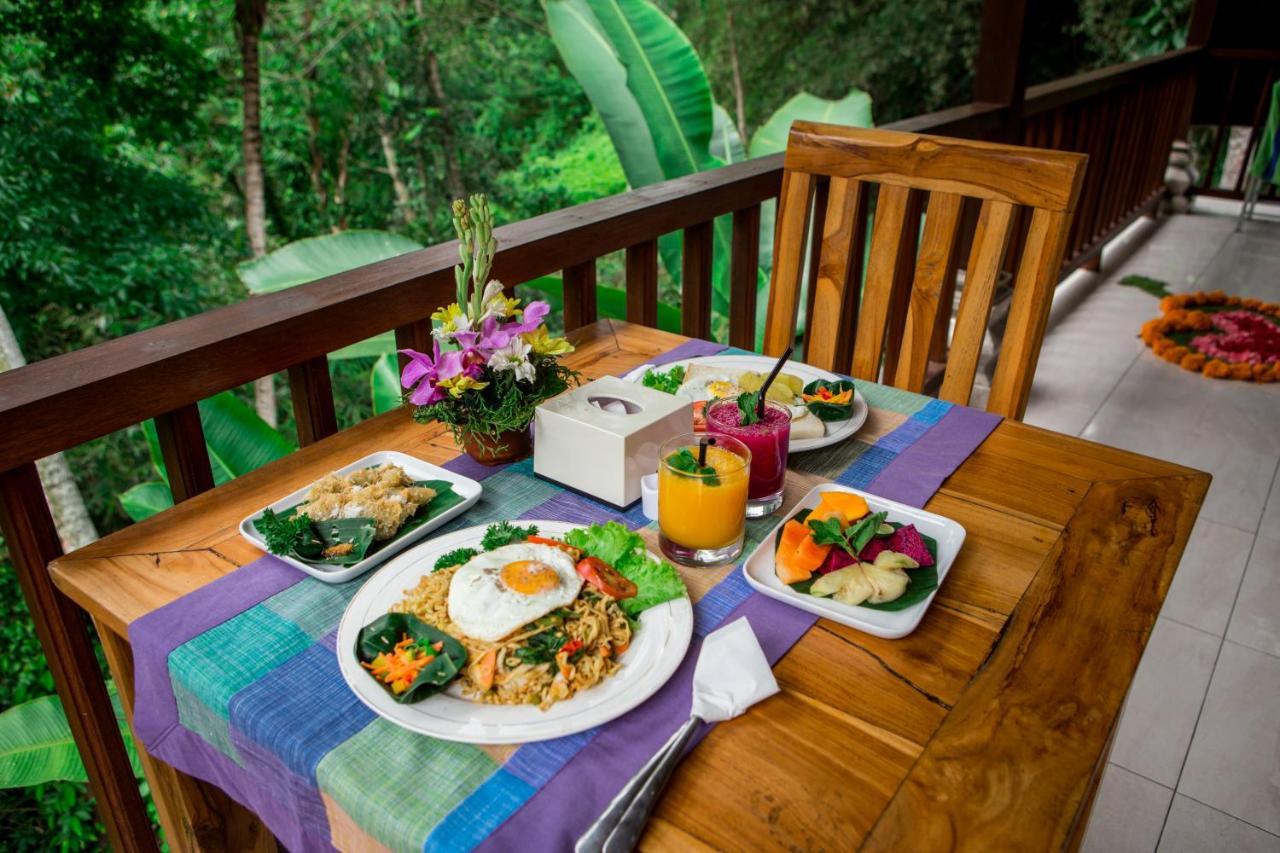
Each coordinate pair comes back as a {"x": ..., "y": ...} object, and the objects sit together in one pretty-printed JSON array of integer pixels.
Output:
[
  {"x": 1046, "y": 96},
  {"x": 66, "y": 400}
]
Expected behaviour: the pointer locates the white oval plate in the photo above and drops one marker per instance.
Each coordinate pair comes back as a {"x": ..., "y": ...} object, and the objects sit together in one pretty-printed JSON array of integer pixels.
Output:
[
  {"x": 890, "y": 624},
  {"x": 416, "y": 468},
  {"x": 837, "y": 431},
  {"x": 656, "y": 650}
]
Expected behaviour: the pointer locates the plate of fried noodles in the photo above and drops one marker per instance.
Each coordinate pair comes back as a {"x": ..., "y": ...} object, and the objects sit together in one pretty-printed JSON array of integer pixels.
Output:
[{"x": 516, "y": 631}]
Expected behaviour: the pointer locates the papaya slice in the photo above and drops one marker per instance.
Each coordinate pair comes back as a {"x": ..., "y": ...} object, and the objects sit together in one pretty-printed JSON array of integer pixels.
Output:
[
  {"x": 792, "y": 532},
  {"x": 809, "y": 555},
  {"x": 852, "y": 506},
  {"x": 788, "y": 568},
  {"x": 824, "y": 511}
]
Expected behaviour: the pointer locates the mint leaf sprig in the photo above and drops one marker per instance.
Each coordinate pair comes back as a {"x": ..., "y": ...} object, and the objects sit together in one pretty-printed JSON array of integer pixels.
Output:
[
  {"x": 684, "y": 460},
  {"x": 852, "y": 538},
  {"x": 749, "y": 406}
]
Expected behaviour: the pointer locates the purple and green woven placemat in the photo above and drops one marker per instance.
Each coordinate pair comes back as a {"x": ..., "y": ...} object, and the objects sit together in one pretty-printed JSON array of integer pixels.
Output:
[{"x": 238, "y": 682}]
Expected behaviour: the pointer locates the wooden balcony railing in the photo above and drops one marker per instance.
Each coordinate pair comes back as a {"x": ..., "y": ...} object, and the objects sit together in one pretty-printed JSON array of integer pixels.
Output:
[
  {"x": 1236, "y": 93},
  {"x": 1123, "y": 117}
]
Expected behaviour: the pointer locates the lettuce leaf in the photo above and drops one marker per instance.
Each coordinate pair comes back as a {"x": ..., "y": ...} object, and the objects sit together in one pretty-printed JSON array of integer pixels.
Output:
[{"x": 657, "y": 581}]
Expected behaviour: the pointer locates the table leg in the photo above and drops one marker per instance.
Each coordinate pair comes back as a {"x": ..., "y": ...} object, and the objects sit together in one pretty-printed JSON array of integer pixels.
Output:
[{"x": 194, "y": 815}]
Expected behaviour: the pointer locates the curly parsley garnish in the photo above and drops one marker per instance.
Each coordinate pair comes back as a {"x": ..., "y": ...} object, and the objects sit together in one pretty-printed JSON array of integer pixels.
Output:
[
  {"x": 283, "y": 535},
  {"x": 504, "y": 533},
  {"x": 456, "y": 557}
]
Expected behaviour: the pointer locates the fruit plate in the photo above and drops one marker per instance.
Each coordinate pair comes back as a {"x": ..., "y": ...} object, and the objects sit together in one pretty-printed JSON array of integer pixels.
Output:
[
  {"x": 466, "y": 488},
  {"x": 837, "y": 431},
  {"x": 656, "y": 650},
  {"x": 759, "y": 567}
]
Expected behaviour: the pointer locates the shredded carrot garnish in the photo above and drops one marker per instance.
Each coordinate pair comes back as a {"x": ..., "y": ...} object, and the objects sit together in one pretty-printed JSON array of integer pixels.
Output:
[{"x": 401, "y": 665}]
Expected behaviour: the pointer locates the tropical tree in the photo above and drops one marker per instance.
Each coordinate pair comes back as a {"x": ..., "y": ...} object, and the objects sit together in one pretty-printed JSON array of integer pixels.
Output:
[{"x": 250, "y": 15}]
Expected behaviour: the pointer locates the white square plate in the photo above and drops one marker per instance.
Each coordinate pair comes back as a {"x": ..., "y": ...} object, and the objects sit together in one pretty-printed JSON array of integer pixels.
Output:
[
  {"x": 416, "y": 468},
  {"x": 949, "y": 535}
]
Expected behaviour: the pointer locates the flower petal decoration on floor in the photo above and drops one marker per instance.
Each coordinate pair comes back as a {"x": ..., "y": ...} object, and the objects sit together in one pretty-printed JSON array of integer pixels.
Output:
[{"x": 1223, "y": 337}]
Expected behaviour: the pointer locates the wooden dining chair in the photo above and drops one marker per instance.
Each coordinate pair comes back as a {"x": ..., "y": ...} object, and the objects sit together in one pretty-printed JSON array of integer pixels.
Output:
[{"x": 834, "y": 170}]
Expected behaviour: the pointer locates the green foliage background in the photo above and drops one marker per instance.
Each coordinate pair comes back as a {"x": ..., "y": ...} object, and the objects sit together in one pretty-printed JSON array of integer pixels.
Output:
[{"x": 120, "y": 163}]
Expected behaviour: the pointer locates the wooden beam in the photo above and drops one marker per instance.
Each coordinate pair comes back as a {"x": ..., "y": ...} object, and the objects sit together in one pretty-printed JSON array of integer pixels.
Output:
[
  {"x": 744, "y": 266},
  {"x": 186, "y": 459},
  {"x": 642, "y": 283},
  {"x": 312, "y": 393},
  {"x": 579, "y": 295},
  {"x": 1200, "y": 25},
  {"x": 999, "y": 72},
  {"x": 32, "y": 541},
  {"x": 695, "y": 280}
]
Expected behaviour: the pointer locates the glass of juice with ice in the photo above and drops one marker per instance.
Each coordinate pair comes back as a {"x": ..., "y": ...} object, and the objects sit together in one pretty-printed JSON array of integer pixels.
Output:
[
  {"x": 702, "y": 498},
  {"x": 767, "y": 438}
]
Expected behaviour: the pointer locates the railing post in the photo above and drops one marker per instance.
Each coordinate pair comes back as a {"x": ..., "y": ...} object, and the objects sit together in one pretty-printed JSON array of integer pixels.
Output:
[
  {"x": 186, "y": 459},
  {"x": 695, "y": 280},
  {"x": 312, "y": 394},
  {"x": 744, "y": 271},
  {"x": 999, "y": 74},
  {"x": 32, "y": 540},
  {"x": 579, "y": 295},
  {"x": 642, "y": 283}
]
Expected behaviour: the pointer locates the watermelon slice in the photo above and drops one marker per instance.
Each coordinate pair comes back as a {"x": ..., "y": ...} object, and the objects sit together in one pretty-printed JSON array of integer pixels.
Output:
[{"x": 905, "y": 540}]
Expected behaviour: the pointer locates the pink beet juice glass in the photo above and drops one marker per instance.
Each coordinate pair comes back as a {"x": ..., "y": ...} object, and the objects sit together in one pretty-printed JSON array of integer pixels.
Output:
[{"x": 767, "y": 439}]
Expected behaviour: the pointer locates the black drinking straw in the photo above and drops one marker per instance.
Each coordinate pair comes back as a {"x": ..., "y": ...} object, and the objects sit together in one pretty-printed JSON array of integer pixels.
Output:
[
  {"x": 703, "y": 444},
  {"x": 764, "y": 389}
]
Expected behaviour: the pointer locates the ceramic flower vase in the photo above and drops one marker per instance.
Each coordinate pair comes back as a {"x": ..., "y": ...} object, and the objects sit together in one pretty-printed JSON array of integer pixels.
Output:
[{"x": 510, "y": 446}]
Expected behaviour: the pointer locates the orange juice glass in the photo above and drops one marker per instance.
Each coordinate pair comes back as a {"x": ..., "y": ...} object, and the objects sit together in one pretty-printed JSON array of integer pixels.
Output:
[{"x": 702, "y": 509}]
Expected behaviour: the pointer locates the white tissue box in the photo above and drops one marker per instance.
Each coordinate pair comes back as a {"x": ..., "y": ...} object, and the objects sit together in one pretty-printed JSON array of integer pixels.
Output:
[{"x": 602, "y": 437}]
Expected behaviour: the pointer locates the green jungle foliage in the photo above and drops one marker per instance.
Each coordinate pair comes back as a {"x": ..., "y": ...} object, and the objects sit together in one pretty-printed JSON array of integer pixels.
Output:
[{"x": 121, "y": 165}]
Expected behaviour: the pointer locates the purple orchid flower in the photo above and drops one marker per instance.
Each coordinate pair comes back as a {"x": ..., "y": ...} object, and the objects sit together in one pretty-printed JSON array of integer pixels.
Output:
[
  {"x": 427, "y": 371},
  {"x": 494, "y": 335}
]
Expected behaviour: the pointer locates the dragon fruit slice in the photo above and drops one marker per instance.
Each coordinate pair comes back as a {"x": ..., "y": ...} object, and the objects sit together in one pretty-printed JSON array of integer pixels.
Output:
[
  {"x": 905, "y": 540},
  {"x": 837, "y": 558}
]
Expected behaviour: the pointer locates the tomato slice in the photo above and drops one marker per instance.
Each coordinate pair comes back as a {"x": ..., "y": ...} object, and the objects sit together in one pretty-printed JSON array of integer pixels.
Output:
[
  {"x": 576, "y": 553},
  {"x": 606, "y": 578}
]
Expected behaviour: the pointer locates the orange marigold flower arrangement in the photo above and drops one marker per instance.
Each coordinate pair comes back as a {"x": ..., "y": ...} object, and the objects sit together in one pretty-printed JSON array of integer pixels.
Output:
[{"x": 1219, "y": 336}]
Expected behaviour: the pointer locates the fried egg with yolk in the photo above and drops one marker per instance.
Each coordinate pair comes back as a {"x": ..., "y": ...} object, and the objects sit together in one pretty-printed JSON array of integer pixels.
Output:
[
  {"x": 500, "y": 591},
  {"x": 702, "y": 383}
]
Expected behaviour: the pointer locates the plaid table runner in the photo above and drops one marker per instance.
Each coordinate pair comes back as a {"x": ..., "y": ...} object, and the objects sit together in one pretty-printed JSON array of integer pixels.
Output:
[{"x": 238, "y": 682}]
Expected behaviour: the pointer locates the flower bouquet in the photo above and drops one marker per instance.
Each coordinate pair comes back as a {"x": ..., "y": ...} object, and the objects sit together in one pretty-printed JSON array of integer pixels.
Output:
[{"x": 492, "y": 362}]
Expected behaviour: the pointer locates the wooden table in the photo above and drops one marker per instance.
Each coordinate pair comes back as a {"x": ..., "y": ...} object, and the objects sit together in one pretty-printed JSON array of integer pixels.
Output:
[{"x": 987, "y": 728}]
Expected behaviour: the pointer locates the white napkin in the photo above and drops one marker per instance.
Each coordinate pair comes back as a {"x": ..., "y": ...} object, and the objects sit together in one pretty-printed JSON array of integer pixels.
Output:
[{"x": 732, "y": 673}]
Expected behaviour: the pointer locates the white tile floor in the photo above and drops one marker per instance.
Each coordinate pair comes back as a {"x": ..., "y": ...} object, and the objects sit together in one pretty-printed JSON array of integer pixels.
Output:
[{"x": 1196, "y": 762}]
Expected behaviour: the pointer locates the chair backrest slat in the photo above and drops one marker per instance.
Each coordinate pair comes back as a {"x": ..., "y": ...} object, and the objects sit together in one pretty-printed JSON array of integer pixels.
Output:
[
  {"x": 897, "y": 315},
  {"x": 941, "y": 228},
  {"x": 834, "y": 267},
  {"x": 989, "y": 243},
  {"x": 1029, "y": 311},
  {"x": 886, "y": 235},
  {"x": 789, "y": 244}
]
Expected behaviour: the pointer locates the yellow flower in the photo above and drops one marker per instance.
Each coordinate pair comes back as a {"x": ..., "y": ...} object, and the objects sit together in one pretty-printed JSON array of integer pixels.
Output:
[
  {"x": 461, "y": 384},
  {"x": 452, "y": 318},
  {"x": 544, "y": 344},
  {"x": 496, "y": 303}
]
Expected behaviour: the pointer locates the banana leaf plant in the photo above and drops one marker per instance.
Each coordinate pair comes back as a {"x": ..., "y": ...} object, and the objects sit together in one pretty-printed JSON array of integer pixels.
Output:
[
  {"x": 237, "y": 439},
  {"x": 36, "y": 745},
  {"x": 312, "y": 258},
  {"x": 648, "y": 84}
]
